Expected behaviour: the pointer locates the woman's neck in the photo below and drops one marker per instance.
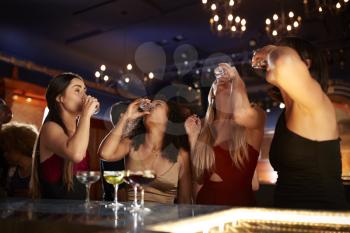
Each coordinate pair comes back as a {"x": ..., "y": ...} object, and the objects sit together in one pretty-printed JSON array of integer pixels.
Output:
[
  {"x": 222, "y": 130},
  {"x": 154, "y": 137},
  {"x": 288, "y": 102},
  {"x": 219, "y": 116},
  {"x": 69, "y": 120}
]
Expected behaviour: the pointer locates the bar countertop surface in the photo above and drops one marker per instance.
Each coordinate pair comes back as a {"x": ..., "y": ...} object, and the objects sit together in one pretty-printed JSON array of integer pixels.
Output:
[{"x": 26, "y": 215}]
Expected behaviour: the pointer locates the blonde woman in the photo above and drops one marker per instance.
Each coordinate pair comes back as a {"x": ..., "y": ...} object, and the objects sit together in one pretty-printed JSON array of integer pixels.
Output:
[{"x": 226, "y": 149}]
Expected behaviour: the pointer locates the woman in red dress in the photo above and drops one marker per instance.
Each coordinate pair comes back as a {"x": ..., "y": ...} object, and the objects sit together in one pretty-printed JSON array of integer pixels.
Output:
[
  {"x": 226, "y": 149},
  {"x": 60, "y": 150}
]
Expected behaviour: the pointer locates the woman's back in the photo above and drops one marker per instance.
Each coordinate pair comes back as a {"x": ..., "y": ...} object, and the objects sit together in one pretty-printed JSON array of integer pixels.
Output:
[{"x": 308, "y": 171}]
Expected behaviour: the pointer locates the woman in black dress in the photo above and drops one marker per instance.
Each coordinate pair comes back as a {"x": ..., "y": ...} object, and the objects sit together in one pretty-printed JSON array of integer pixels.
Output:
[{"x": 305, "y": 150}]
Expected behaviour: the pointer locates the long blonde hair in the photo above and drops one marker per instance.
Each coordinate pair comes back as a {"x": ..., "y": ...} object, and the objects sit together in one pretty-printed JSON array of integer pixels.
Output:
[{"x": 203, "y": 159}]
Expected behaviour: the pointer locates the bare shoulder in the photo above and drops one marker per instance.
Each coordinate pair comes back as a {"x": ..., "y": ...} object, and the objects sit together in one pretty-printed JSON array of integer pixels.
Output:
[
  {"x": 324, "y": 106},
  {"x": 51, "y": 126},
  {"x": 51, "y": 130}
]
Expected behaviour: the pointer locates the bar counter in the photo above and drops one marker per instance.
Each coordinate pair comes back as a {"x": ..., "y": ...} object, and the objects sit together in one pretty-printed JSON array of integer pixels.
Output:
[
  {"x": 51, "y": 216},
  {"x": 25, "y": 215}
]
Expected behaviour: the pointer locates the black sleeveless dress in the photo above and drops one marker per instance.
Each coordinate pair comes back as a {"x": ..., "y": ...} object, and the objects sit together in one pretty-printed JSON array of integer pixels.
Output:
[{"x": 309, "y": 172}]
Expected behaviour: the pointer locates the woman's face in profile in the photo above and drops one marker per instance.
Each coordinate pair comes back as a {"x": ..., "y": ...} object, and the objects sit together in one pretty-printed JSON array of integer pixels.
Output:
[
  {"x": 73, "y": 97},
  {"x": 158, "y": 114}
]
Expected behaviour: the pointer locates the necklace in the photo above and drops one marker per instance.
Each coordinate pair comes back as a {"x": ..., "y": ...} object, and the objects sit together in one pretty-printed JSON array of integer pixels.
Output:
[{"x": 154, "y": 152}]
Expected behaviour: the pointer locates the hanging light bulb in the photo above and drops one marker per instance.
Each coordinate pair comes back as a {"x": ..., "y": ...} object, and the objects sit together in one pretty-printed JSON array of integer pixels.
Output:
[
  {"x": 224, "y": 17},
  {"x": 282, "y": 26},
  {"x": 238, "y": 19},
  {"x": 151, "y": 75},
  {"x": 216, "y": 18},
  {"x": 129, "y": 67},
  {"x": 320, "y": 8},
  {"x": 219, "y": 27},
  {"x": 97, "y": 74},
  {"x": 103, "y": 67}
]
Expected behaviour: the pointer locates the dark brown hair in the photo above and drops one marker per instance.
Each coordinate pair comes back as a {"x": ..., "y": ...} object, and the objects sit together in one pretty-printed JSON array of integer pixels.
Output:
[{"x": 56, "y": 87}]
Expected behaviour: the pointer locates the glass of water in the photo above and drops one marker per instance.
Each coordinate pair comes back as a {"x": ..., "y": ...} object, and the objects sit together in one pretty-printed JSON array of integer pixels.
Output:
[{"x": 88, "y": 178}]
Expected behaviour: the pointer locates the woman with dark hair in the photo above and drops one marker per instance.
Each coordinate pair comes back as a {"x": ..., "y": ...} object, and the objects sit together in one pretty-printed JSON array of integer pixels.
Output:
[
  {"x": 151, "y": 145},
  {"x": 61, "y": 146},
  {"x": 17, "y": 141},
  {"x": 305, "y": 149}
]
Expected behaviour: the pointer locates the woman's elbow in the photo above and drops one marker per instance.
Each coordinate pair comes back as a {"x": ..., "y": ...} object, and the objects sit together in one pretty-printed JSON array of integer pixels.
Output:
[
  {"x": 103, "y": 155},
  {"x": 77, "y": 157},
  {"x": 255, "y": 187}
]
